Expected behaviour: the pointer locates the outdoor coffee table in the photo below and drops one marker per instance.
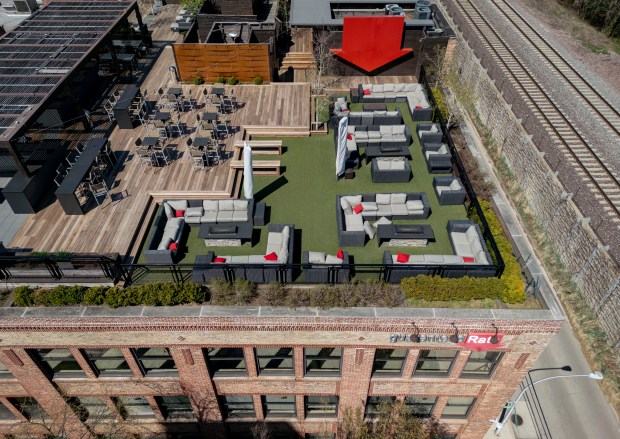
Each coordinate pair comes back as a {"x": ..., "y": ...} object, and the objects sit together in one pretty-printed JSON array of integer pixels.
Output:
[
  {"x": 218, "y": 91},
  {"x": 177, "y": 91},
  {"x": 226, "y": 234},
  {"x": 209, "y": 116},
  {"x": 405, "y": 235},
  {"x": 374, "y": 106}
]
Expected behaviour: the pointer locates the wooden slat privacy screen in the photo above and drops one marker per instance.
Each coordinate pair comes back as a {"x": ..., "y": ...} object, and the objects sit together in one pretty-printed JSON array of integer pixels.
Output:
[{"x": 243, "y": 61}]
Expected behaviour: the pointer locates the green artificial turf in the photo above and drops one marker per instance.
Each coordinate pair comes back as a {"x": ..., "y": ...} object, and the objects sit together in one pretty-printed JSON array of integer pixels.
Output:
[{"x": 305, "y": 195}]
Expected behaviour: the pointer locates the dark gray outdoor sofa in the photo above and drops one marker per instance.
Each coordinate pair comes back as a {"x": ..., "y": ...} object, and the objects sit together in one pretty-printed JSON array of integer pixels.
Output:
[
  {"x": 326, "y": 273},
  {"x": 438, "y": 158},
  {"x": 390, "y": 171},
  {"x": 429, "y": 133},
  {"x": 254, "y": 269},
  {"x": 156, "y": 248},
  {"x": 350, "y": 229},
  {"x": 466, "y": 240},
  {"x": 449, "y": 190}
]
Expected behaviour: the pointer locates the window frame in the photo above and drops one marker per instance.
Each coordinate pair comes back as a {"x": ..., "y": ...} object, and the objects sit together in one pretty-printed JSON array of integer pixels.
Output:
[
  {"x": 176, "y": 415},
  {"x": 107, "y": 414},
  {"x": 218, "y": 373},
  {"x": 379, "y": 398},
  {"x": 225, "y": 407},
  {"x": 277, "y": 372},
  {"x": 35, "y": 354},
  {"x": 151, "y": 372},
  {"x": 106, "y": 373},
  {"x": 5, "y": 372},
  {"x": 127, "y": 415},
  {"x": 268, "y": 415},
  {"x": 318, "y": 357},
  {"x": 432, "y": 406},
  {"x": 425, "y": 373},
  {"x": 469, "y": 375},
  {"x": 5, "y": 409},
  {"x": 18, "y": 403},
  {"x": 389, "y": 374},
  {"x": 309, "y": 414},
  {"x": 467, "y": 413}
]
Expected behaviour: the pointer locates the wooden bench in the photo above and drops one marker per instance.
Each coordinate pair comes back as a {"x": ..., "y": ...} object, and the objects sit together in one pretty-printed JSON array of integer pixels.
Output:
[
  {"x": 267, "y": 147},
  {"x": 260, "y": 167}
]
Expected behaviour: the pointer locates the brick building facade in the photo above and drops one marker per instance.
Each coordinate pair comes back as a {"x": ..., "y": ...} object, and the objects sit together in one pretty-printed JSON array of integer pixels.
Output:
[{"x": 189, "y": 371}]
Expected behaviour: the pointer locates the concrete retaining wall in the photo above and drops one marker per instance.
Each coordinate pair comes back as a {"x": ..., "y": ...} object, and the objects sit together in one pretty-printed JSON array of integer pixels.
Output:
[{"x": 549, "y": 184}]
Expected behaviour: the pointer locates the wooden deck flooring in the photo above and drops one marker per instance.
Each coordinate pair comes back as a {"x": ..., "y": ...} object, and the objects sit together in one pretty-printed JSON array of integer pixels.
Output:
[{"x": 111, "y": 227}]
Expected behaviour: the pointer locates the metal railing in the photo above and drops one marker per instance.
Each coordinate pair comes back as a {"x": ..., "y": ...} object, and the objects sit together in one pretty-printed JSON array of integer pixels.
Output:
[{"x": 456, "y": 160}]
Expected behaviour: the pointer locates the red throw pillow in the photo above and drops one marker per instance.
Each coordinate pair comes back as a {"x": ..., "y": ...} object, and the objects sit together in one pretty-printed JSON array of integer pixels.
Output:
[
  {"x": 271, "y": 257},
  {"x": 418, "y": 106},
  {"x": 358, "y": 208},
  {"x": 367, "y": 92},
  {"x": 340, "y": 254},
  {"x": 173, "y": 246},
  {"x": 344, "y": 111},
  {"x": 468, "y": 260},
  {"x": 219, "y": 260},
  {"x": 349, "y": 137},
  {"x": 402, "y": 257},
  {"x": 179, "y": 213}
]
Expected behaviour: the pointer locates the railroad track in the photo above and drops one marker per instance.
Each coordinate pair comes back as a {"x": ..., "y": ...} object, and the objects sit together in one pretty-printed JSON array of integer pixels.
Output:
[
  {"x": 596, "y": 102},
  {"x": 579, "y": 154}
]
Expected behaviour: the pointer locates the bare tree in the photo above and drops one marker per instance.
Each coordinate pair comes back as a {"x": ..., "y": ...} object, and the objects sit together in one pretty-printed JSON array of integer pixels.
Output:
[
  {"x": 324, "y": 62},
  {"x": 436, "y": 67}
]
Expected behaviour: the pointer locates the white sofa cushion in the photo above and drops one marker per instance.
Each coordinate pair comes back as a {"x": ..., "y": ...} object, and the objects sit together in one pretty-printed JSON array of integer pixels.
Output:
[
  {"x": 410, "y": 87},
  {"x": 354, "y": 223},
  {"x": 361, "y": 135},
  {"x": 210, "y": 205},
  {"x": 384, "y": 165},
  {"x": 353, "y": 200},
  {"x": 374, "y": 135},
  {"x": 382, "y": 220},
  {"x": 369, "y": 206},
  {"x": 226, "y": 205},
  {"x": 398, "y": 198},
  {"x": 369, "y": 230},
  {"x": 240, "y": 205},
  {"x": 415, "y": 205},
  {"x": 178, "y": 204},
  {"x": 459, "y": 238},
  {"x": 455, "y": 185},
  {"x": 385, "y": 129},
  {"x": 225, "y": 216},
  {"x": 164, "y": 244},
  {"x": 388, "y": 87},
  {"x": 399, "y": 88},
  {"x": 399, "y": 209},
  {"x": 378, "y": 88},
  {"x": 382, "y": 199},
  {"x": 440, "y": 189},
  {"x": 194, "y": 211},
  {"x": 209, "y": 217},
  {"x": 471, "y": 234},
  {"x": 346, "y": 206},
  {"x": 329, "y": 259},
  {"x": 384, "y": 210},
  {"x": 168, "y": 211},
  {"x": 240, "y": 215},
  {"x": 316, "y": 257},
  {"x": 481, "y": 257}
]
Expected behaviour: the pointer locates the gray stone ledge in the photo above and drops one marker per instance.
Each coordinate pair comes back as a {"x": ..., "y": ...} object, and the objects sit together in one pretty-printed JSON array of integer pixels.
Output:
[{"x": 274, "y": 311}]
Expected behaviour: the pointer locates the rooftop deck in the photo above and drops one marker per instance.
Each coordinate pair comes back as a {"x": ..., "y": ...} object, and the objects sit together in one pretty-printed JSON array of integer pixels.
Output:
[{"x": 110, "y": 228}]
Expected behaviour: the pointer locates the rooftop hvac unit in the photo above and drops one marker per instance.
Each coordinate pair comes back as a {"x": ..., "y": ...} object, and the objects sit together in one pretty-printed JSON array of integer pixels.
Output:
[
  {"x": 423, "y": 3},
  {"x": 422, "y": 13},
  {"x": 25, "y": 6}
]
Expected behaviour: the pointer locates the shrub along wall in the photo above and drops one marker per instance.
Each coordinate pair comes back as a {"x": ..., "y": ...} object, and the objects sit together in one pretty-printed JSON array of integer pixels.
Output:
[
  {"x": 156, "y": 294},
  {"x": 465, "y": 288},
  {"x": 513, "y": 290}
]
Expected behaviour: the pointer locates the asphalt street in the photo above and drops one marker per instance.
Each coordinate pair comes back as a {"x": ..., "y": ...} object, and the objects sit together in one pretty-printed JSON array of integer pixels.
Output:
[{"x": 565, "y": 408}]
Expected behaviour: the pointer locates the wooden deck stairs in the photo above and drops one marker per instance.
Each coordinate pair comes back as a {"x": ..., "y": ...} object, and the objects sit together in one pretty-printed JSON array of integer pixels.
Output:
[{"x": 298, "y": 60}]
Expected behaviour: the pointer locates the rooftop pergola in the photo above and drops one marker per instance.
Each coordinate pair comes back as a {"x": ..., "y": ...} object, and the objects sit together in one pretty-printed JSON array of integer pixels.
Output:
[{"x": 43, "y": 51}]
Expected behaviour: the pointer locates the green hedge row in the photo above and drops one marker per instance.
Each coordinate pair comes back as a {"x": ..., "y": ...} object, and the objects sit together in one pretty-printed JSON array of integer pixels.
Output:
[
  {"x": 447, "y": 289},
  {"x": 156, "y": 294},
  {"x": 513, "y": 290}
]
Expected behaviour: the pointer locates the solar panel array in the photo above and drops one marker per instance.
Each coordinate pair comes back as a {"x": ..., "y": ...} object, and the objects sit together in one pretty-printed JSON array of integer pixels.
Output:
[{"x": 43, "y": 50}]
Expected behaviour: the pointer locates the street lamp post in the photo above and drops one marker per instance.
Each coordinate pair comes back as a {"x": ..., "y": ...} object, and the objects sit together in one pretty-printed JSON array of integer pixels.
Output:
[{"x": 499, "y": 424}]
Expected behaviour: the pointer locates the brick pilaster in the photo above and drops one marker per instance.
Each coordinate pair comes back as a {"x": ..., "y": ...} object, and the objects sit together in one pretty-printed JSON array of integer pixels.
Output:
[
  {"x": 84, "y": 364},
  {"x": 439, "y": 406},
  {"x": 35, "y": 382},
  {"x": 195, "y": 380},
  {"x": 258, "y": 407},
  {"x": 132, "y": 362},
  {"x": 355, "y": 382},
  {"x": 250, "y": 362},
  {"x": 459, "y": 364},
  {"x": 298, "y": 358},
  {"x": 410, "y": 361},
  {"x": 299, "y": 408}
]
